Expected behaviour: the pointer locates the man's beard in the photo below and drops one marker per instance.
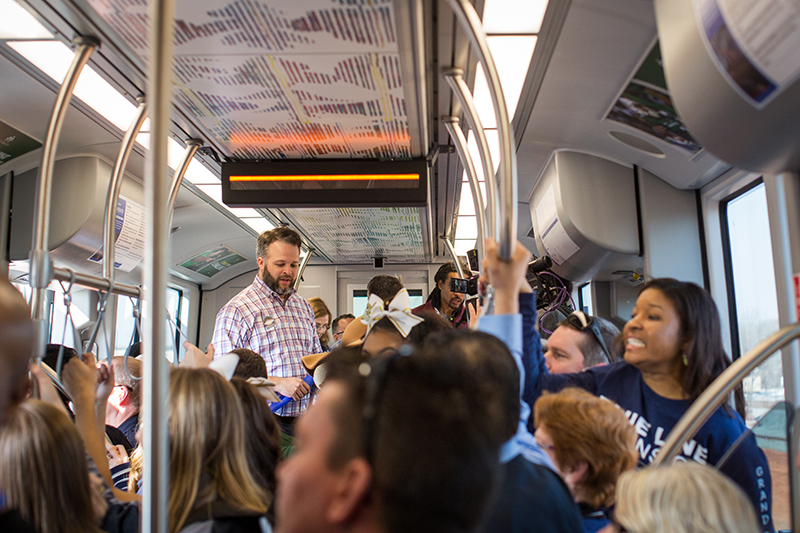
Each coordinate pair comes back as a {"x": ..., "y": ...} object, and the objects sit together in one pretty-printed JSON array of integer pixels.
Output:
[{"x": 275, "y": 285}]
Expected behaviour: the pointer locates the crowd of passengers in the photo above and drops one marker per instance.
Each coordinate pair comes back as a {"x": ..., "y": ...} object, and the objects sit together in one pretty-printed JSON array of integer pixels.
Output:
[{"x": 417, "y": 420}]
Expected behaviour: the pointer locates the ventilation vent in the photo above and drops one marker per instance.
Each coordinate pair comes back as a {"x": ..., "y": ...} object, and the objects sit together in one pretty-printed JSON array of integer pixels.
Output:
[{"x": 638, "y": 143}]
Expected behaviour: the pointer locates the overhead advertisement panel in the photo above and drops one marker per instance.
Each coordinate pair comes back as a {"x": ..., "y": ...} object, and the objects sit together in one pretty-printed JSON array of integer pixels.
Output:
[{"x": 753, "y": 43}]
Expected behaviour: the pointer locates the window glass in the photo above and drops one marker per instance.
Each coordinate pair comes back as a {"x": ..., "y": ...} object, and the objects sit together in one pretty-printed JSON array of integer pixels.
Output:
[
  {"x": 586, "y": 299},
  {"x": 752, "y": 275}
]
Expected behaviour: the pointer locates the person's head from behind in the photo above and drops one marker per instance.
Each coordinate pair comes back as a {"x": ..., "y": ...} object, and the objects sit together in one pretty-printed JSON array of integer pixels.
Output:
[
  {"x": 250, "y": 365},
  {"x": 44, "y": 472},
  {"x": 384, "y": 286},
  {"x": 16, "y": 348},
  {"x": 262, "y": 435},
  {"x": 125, "y": 399},
  {"x": 581, "y": 341},
  {"x": 278, "y": 258},
  {"x": 322, "y": 319},
  {"x": 208, "y": 458},
  {"x": 340, "y": 324},
  {"x": 675, "y": 330},
  {"x": 360, "y": 462},
  {"x": 384, "y": 334},
  {"x": 590, "y": 441},
  {"x": 489, "y": 358},
  {"x": 685, "y": 497}
]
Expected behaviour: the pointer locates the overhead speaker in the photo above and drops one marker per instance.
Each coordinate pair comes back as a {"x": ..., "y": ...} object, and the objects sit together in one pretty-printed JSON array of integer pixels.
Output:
[{"x": 638, "y": 143}]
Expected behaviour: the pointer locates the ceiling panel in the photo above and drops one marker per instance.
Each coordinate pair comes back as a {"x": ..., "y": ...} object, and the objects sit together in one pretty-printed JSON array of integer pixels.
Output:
[
  {"x": 357, "y": 235},
  {"x": 273, "y": 79}
]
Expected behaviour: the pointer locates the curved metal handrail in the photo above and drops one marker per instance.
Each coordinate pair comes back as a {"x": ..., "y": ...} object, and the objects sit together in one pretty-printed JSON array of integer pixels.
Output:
[
  {"x": 302, "y": 269},
  {"x": 192, "y": 146},
  {"x": 455, "y": 79},
  {"x": 451, "y": 123},
  {"x": 41, "y": 266},
  {"x": 471, "y": 22},
  {"x": 718, "y": 392},
  {"x": 115, "y": 185},
  {"x": 452, "y": 251}
]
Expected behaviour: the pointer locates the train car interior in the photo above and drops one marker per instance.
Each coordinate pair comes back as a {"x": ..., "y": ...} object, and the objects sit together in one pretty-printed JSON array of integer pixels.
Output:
[{"x": 636, "y": 139}]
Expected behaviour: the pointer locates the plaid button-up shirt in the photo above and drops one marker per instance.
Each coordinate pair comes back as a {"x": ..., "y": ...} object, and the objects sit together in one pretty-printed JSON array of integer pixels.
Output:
[{"x": 281, "y": 332}]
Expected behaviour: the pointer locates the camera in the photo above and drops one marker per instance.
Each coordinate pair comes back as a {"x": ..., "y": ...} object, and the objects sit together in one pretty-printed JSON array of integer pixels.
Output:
[
  {"x": 465, "y": 286},
  {"x": 472, "y": 258}
]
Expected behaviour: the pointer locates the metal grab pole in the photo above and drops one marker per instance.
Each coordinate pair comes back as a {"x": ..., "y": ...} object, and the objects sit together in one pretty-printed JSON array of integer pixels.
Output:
[
  {"x": 451, "y": 123},
  {"x": 94, "y": 282},
  {"x": 114, "y": 186},
  {"x": 177, "y": 178},
  {"x": 41, "y": 266},
  {"x": 456, "y": 261},
  {"x": 471, "y": 23},
  {"x": 302, "y": 269},
  {"x": 455, "y": 79},
  {"x": 718, "y": 392},
  {"x": 156, "y": 368}
]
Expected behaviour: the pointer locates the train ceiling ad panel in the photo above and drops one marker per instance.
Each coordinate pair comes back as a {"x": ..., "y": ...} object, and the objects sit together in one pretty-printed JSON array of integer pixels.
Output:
[
  {"x": 357, "y": 235},
  {"x": 273, "y": 79}
]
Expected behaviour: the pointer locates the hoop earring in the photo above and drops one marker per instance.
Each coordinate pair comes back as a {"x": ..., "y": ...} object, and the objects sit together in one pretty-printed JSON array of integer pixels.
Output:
[{"x": 685, "y": 360}]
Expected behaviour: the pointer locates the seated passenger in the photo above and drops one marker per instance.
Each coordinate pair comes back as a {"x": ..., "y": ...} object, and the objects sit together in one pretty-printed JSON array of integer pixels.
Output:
[
  {"x": 673, "y": 351},
  {"x": 531, "y": 497},
  {"x": 444, "y": 301},
  {"x": 44, "y": 472},
  {"x": 395, "y": 445},
  {"x": 684, "y": 497},
  {"x": 211, "y": 483},
  {"x": 591, "y": 444},
  {"x": 384, "y": 287},
  {"x": 338, "y": 326},
  {"x": 122, "y": 409},
  {"x": 581, "y": 341}
]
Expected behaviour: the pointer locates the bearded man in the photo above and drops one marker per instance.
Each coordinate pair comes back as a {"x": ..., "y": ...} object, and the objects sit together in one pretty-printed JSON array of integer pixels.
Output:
[{"x": 269, "y": 318}]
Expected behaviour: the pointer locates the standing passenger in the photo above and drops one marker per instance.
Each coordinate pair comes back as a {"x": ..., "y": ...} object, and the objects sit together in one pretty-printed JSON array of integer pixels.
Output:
[
  {"x": 322, "y": 321},
  {"x": 581, "y": 341},
  {"x": 122, "y": 409},
  {"x": 270, "y": 319},
  {"x": 447, "y": 303}
]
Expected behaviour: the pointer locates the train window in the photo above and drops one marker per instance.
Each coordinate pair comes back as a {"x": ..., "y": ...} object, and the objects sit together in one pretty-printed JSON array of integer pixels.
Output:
[
  {"x": 585, "y": 299},
  {"x": 752, "y": 293},
  {"x": 125, "y": 326}
]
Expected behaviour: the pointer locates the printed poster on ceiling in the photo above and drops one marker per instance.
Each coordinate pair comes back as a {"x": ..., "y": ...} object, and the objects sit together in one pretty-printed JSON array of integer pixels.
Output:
[
  {"x": 129, "y": 231},
  {"x": 755, "y": 44}
]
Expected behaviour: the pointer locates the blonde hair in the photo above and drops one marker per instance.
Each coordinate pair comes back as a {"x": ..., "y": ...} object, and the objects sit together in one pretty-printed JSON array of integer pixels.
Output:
[
  {"x": 137, "y": 466},
  {"x": 585, "y": 428},
  {"x": 207, "y": 439},
  {"x": 320, "y": 309},
  {"x": 685, "y": 497},
  {"x": 44, "y": 472}
]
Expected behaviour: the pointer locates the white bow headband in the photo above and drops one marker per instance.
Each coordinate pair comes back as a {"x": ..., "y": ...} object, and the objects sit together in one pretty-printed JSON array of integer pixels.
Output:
[{"x": 398, "y": 312}]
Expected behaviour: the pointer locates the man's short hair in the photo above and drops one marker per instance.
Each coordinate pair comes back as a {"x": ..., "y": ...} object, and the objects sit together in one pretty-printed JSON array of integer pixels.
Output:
[
  {"x": 346, "y": 316},
  {"x": 280, "y": 233},
  {"x": 251, "y": 365},
  {"x": 434, "y": 461},
  {"x": 593, "y": 354},
  {"x": 131, "y": 379},
  {"x": 385, "y": 287}
]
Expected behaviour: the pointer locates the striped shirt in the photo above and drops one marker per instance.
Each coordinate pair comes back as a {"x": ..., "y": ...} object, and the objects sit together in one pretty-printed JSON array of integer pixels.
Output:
[{"x": 281, "y": 332}]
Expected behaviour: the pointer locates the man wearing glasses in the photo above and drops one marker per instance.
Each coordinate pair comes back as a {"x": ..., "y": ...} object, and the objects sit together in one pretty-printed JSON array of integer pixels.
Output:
[
  {"x": 338, "y": 327},
  {"x": 581, "y": 341}
]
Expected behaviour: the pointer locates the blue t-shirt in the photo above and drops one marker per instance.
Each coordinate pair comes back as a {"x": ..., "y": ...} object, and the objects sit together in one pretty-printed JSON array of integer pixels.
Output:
[{"x": 654, "y": 416}]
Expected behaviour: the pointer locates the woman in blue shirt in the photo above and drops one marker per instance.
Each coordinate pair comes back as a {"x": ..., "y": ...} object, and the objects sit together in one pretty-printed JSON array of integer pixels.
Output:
[{"x": 673, "y": 351}]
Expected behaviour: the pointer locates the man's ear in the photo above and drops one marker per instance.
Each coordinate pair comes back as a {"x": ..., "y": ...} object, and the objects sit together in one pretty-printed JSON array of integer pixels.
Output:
[
  {"x": 350, "y": 492},
  {"x": 124, "y": 396},
  {"x": 260, "y": 263}
]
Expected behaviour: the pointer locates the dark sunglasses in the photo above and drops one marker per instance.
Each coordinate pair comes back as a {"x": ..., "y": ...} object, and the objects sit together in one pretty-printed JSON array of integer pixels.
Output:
[
  {"x": 376, "y": 372},
  {"x": 583, "y": 322}
]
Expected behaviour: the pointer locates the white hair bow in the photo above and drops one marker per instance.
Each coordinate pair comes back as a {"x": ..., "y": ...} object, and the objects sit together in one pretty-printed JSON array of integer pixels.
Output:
[{"x": 398, "y": 312}]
